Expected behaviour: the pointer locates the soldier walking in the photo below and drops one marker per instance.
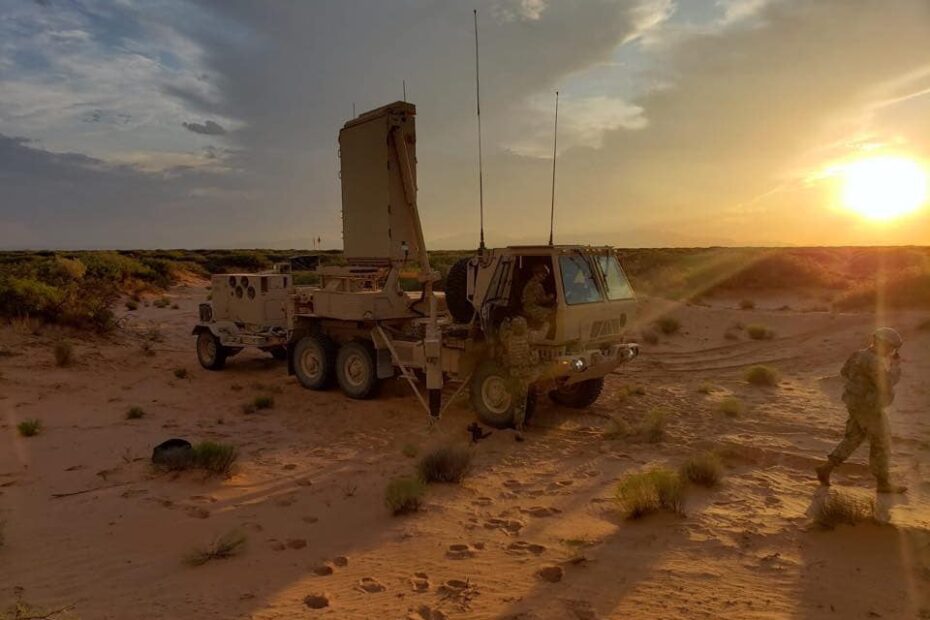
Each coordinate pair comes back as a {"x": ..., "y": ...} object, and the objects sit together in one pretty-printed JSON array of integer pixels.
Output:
[{"x": 870, "y": 375}]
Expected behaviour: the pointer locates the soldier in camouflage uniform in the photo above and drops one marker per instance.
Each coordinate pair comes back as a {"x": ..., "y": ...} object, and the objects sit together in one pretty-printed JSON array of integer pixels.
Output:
[
  {"x": 870, "y": 375},
  {"x": 535, "y": 301},
  {"x": 523, "y": 364}
]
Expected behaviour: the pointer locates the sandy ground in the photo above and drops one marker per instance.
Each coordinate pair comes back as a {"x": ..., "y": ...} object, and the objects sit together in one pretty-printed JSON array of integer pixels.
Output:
[{"x": 308, "y": 488}]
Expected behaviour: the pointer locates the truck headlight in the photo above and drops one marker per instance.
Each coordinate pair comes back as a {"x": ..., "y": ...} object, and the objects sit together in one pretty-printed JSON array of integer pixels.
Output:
[{"x": 578, "y": 364}]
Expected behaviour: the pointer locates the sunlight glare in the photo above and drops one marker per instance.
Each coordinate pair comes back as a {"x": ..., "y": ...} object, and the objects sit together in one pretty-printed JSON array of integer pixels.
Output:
[{"x": 883, "y": 188}]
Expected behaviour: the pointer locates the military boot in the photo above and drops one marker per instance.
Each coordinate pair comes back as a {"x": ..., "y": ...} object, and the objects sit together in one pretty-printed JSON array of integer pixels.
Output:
[
  {"x": 885, "y": 486},
  {"x": 823, "y": 473}
]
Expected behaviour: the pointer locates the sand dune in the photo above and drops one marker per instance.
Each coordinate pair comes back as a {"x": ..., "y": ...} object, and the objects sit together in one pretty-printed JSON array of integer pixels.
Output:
[{"x": 532, "y": 533}]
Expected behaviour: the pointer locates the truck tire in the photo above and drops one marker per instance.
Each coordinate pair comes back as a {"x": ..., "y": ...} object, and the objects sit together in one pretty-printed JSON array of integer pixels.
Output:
[
  {"x": 494, "y": 396},
  {"x": 579, "y": 395},
  {"x": 210, "y": 353},
  {"x": 457, "y": 292},
  {"x": 357, "y": 370},
  {"x": 314, "y": 362}
]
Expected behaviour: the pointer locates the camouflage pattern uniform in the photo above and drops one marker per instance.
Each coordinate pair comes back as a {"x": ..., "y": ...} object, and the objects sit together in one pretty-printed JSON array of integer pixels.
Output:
[
  {"x": 870, "y": 382},
  {"x": 521, "y": 361},
  {"x": 535, "y": 300}
]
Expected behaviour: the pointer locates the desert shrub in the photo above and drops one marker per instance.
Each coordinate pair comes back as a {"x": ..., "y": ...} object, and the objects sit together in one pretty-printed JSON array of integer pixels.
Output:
[
  {"x": 263, "y": 402},
  {"x": 644, "y": 493},
  {"x": 652, "y": 428},
  {"x": 705, "y": 388},
  {"x": 132, "y": 304},
  {"x": 759, "y": 332},
  {"x": 64, "y": 353},
  {"x": 161, "y": 302},
  {"x": 217, "y": 458},
  {"x": 135, "y": 413},
  {"x": 910, "y": 289},
  {"x": 404, "y": 495},
  {"x": 747, "y": 304},
  {"x": 222, "y": 547},
  {"x": 180, "y": 373},
  {"x": 763, "y": 376},
  {"x": 410, "y": 450},
  {"x": 618, "y": 428},
  {"x": 29, "y": 428},
  {"x": 650, "y": 336},
  {"x": 838, "y": 508},
  {"x": 731, "y": 407},
  {"x": 704, "y": 469},
  {"x": 668, "y": 325},
  {"x": 445, "y": 464}
]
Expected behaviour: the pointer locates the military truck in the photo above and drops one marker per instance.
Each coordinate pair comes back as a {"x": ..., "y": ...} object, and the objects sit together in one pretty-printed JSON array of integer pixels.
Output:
[{"x": 358, "y": 327}]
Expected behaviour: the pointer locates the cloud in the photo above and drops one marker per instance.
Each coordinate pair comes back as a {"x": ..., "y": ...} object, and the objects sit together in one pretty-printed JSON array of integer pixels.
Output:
[{"x": 209, "y": 128}]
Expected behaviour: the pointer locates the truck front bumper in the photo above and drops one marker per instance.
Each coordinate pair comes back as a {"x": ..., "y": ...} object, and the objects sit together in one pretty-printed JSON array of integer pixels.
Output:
[{"x": 594, "y": 363}]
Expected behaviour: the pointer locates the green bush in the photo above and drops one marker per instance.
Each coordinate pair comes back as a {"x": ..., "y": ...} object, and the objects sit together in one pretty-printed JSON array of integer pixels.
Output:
[
  {"x": 651, "y": 491},
  {"x": 29, "y": 428},
  {"x": 731, "y": 407},
  {"x": 704, "y": 469},
  {"x": 225, "y": 546},
  {"x": 762, "y": 376},
  {"x": 759, "y": 332},
  {"x": 445, "y": 464},
  {"x": 217, "y": 458},
  {"x": 135, "y": 413},
  {"x": 404, "y": 495}
]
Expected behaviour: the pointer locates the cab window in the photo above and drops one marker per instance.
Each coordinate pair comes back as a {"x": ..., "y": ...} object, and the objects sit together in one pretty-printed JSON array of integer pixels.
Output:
[
  {"x": 618, "y": 287},
  {"x": 578, "y": 280}
]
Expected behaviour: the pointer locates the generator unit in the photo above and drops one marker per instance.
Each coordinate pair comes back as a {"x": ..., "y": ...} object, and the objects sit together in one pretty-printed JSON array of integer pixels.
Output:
[{"x": 249, "y": 299}]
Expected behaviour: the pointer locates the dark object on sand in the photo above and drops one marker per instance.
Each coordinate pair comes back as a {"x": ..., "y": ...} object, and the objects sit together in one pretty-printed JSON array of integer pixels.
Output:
[
  {"x": 477, "y": 433},
  {"x": 172, "y": 452}
]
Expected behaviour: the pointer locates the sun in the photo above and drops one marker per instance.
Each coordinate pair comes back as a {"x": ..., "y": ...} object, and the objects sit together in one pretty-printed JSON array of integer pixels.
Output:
[{"x": 882, "y": 188}]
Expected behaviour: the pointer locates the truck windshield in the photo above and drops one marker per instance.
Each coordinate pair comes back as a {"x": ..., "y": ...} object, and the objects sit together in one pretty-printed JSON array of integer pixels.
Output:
[
  {"x": 578, "y": 280},
  {"x": 618, "y": 287}
]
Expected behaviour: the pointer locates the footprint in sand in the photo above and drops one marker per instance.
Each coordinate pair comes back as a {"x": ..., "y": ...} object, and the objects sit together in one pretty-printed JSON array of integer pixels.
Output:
[
  {"x": 197, "y": 512},
  {"x": 508, "y": 526},
  {"x": 552, "y": 573},
  {"x": 521, "y": 547},
  {"x": 540, "y": 511},
  {"x": 296, "y": 543},
  {"x": 460, "y": 552},
  {"x": 424, "y": 612},
  {"x": 323, "y": 569},
  {"x": 482, "y": 501},
  {"x": 341, "y": 561},
  {"x": 420, "y": 582},
  {"x": 370, "y": 585}
]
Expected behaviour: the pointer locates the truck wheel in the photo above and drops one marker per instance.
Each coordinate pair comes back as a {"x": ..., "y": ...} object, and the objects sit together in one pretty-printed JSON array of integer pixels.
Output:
[
  {"x": 279, "y": 353},
  {"x": 210, "y": 353},
  {"x": 313, "y": 362},
  {"x": 494, "y": 396},
  {"x": 579, "y": 395},
  {"x": 356, "y": 370},
  {"x": 457, "y": 292}
]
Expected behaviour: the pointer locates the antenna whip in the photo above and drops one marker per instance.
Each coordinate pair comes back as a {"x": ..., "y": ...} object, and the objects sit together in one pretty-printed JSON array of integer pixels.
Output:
[
  {"x": 555, "y": 143},
  {"x": 478, "y": 108}
]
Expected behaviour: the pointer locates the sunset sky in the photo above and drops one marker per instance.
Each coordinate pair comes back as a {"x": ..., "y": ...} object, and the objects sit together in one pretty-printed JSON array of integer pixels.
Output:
[{"x": 167, "y": 123}]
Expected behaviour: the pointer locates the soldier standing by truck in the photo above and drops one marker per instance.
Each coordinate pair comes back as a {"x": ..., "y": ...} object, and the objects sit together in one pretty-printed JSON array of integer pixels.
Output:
[{"x": 870, "y": 375}]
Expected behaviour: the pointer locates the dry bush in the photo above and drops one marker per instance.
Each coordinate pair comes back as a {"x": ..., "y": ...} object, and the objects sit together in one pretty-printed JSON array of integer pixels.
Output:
[
  {"x": 445, "y": 464},
  {"x": 64, "y": 353},
  {"x": 225, "y": 546},
  {"x": 704, "y": 469},
  {"x": 135, "y": 413},
  {"x": 731, "y": 406},
  {"x": 162, "y": 302},
  {"x": 651, "y": 491},
  {"x": 747, "y": 304},
  {"x": 618, "y": 428},
  {"x": 404, "y": 495},
  {"x": 29, "y": 428},
  {"x": 910, "y": 289},
  {"x": 762, "y": 376},
  {"x": 216, "y": 458},
  {"x": 652, "y": 428},
  {"x": 668, "y": 325},
  {"x": 263, "y": 402},
  {"x": 839, "y": 508},
  {"x": 180, "y": 373},
  {"x": 760, "y": 332}
]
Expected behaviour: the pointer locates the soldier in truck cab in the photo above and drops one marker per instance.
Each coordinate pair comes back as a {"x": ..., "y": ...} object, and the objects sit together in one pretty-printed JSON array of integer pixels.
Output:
[{"x": 538, "y": 306}]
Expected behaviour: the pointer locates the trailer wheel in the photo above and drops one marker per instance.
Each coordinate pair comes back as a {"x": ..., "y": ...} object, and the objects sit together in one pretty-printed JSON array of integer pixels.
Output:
[
  {"x": 356, "y": 370},
  {"x": 494, "y": 395},
  {"x": 579, "y": 395},
  {"x": 210, "y": 353},
  {"x": 457, "y": 292},
  {"x": 314, "y": 357},
  {"x": 279, "y": 353}
]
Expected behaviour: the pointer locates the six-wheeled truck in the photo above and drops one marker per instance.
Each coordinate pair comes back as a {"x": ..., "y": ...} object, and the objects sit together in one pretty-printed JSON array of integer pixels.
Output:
[{"x": 358, "y": 326}]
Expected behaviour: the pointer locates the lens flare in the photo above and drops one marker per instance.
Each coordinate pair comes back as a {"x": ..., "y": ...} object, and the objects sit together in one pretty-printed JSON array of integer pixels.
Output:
[{"x": 882, "y": 188}]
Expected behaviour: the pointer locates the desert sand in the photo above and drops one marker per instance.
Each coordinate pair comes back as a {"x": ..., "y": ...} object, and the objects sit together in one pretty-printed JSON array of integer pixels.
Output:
[{"x": 533, "y": 532}]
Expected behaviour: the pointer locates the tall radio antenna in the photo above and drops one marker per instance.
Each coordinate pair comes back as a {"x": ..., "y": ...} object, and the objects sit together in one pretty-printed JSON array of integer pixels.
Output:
[
  {"x": 555, "y": 143},
  {"x": 478, "y": 108}
]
